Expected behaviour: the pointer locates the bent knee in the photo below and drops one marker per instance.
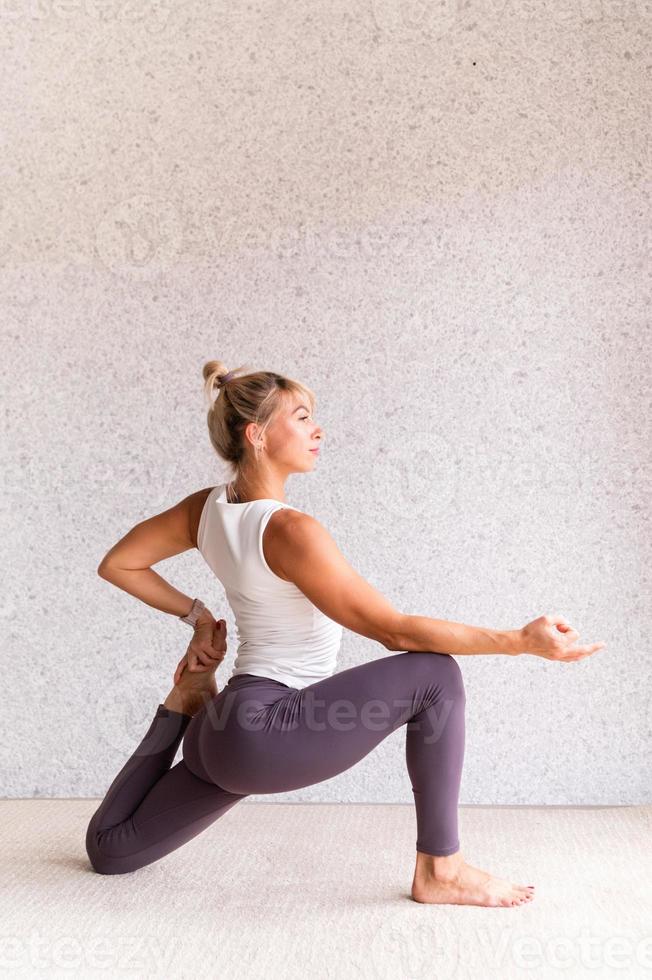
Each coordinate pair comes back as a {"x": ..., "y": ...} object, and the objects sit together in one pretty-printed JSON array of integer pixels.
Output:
[
  {"x": 102, "y": 861},
  {"x": 444, "y": 668},
  {"x": 100, "y": 867},
  {"x": 99, "y": 863},
  {"x": 104, "y": 864}
]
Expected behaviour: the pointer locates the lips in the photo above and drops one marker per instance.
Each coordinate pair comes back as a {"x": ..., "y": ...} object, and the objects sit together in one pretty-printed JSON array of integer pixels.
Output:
[{"x": 315, "y": 451}]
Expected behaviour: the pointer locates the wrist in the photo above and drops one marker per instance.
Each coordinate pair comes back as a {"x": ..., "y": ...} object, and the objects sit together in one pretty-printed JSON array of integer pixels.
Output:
[
  {"x": 514, "y": 643},
  {"x": 205, "y": 618},
  {"x": 198, "y": 615}
]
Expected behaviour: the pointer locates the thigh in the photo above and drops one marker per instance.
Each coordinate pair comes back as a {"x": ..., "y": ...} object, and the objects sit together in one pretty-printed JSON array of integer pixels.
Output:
[{"x": 270, "y": 740}]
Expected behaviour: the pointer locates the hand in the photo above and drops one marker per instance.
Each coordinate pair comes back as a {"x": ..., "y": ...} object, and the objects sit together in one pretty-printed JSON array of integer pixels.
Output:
[
  {"x": 554, "y": 638},
  {"x": 206, "y": 650}
]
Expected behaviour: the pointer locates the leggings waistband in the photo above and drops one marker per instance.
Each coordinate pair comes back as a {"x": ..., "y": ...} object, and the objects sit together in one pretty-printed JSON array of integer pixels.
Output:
[{"x": 245, "y": 680}]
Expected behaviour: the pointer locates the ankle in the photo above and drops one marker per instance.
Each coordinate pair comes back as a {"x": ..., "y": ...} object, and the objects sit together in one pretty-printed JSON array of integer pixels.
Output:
[
  {"x": 184, "y": 702},
  {"x": 441, "y": 868}
]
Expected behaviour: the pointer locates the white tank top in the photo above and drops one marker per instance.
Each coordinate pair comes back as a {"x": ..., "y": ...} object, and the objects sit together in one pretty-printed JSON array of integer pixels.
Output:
[{"x": 281, "y": 634}]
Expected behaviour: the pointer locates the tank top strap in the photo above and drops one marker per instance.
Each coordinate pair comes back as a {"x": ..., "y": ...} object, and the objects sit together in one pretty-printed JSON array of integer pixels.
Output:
[{"x": 266, "y": 512}]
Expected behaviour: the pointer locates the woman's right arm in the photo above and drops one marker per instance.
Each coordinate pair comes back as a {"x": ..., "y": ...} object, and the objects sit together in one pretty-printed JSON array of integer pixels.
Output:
[{"x": 300, "y": 549}]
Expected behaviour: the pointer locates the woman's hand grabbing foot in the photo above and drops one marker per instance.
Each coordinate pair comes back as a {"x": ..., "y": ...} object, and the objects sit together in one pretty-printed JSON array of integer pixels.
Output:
[{"x": 195, "y": 688}]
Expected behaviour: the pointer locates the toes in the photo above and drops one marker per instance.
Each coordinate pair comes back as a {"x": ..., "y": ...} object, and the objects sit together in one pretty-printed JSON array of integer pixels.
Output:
[
  {"x": 511, "y": 900},
  {"x": 518, "y": 897}
]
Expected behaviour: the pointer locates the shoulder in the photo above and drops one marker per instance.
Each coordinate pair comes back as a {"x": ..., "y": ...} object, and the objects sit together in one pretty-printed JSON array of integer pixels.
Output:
[
  {"x": 293, "y": 531},
  {"x": 296, "y": 523},
  {"x": 291, "y": 538},
  {"x": 194, "y": 505},
  {"x": 195, "y": 501},
  {"x": 202, "y": 495}
]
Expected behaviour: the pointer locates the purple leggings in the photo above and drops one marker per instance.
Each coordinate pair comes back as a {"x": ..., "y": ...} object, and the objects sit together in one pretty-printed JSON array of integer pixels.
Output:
[{"x": 260, "y": 736}]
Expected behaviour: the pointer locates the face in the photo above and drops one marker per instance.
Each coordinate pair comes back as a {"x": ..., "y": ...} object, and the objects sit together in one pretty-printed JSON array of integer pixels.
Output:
[{"x": 293, "y": 439}]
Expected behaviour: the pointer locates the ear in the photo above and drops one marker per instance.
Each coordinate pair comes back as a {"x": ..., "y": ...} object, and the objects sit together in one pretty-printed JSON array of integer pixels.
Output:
[{"x": 251, "y": 432}]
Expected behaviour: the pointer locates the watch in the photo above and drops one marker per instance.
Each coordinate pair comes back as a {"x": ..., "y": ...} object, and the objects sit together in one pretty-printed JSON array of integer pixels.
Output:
[{"x": 194, "y": 614}]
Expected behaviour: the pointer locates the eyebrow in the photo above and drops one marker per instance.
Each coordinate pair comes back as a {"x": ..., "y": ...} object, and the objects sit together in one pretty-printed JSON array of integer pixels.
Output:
[{"x": 301, "y": 406}]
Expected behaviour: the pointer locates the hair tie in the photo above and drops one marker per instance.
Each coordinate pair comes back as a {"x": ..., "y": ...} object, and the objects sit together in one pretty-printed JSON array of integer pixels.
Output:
[{"x": 224, "y": 378}]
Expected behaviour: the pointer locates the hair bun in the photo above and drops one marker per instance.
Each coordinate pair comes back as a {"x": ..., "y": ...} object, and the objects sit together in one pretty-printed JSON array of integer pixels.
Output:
[{"x": 223, "y": 378}]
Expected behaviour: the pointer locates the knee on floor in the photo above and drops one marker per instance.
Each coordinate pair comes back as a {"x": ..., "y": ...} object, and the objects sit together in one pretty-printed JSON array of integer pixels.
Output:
[
  {"x": 101, "y": 867},
  {"x": 98, "y": 861},
  {"x": 105, "y": 865},
  {"x": 102, "y": 861},
  {"x": 99, "y": 864}
]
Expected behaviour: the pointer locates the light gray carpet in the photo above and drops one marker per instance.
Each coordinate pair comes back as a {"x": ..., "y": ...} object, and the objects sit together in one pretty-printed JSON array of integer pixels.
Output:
[{"x": 282, "y": 890}]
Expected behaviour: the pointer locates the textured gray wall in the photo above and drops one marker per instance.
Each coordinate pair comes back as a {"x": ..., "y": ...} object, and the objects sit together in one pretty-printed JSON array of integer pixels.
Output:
[{"x": 436, "y": 216}]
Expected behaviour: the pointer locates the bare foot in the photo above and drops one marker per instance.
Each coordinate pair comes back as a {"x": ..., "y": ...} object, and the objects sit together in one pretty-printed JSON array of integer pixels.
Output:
[
  {"x": 194, "y": 690},
  {"x": 457, "y": 883}
]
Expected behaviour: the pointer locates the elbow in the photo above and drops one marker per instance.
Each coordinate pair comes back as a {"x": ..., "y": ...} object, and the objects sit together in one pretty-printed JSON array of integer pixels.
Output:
[
  {"x": 103, "y": 570},
  {"x": 393, "y": 638}
]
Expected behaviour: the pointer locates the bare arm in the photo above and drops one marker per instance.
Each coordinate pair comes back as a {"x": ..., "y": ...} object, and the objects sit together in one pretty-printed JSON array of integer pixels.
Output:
[
  {"x": 446, "y": 636},
  {"x": 306, "y": 554},
  {"x": 127, "y": 563}
]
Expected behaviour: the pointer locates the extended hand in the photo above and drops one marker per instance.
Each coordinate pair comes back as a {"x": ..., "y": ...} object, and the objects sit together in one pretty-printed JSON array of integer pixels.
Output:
[{"x": 554, "y": 638}]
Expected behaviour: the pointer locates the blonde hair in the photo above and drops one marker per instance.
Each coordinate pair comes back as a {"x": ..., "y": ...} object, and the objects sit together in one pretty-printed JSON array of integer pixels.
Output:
[{"x": 257, "y": 396}]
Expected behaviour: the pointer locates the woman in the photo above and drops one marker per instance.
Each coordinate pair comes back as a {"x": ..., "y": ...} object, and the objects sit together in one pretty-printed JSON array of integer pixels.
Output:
[{"x": 278, "y": 723}]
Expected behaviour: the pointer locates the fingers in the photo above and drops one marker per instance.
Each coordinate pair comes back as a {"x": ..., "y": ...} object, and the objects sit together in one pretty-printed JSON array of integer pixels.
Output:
[
  {"x": 557, "y": 620},
  {"x": 571, "y": 636},
  {"x": 578, "y": 653},
  {"x": 206, "y": 654},
  {"x": 212, "y": 654},
  {"x": 561, "y": 624},
  {"x": 570, "y": 649},
  {"x": 206, "y": 658},
  {"x": 589, "y": 649}
]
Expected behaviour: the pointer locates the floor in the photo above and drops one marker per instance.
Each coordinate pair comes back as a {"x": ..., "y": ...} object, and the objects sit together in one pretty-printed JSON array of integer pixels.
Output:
[{"x": 288, "y": 890}]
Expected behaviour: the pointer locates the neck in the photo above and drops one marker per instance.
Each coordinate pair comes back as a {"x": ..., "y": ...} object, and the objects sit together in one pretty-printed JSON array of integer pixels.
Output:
[{"x": 240, "y": 491}]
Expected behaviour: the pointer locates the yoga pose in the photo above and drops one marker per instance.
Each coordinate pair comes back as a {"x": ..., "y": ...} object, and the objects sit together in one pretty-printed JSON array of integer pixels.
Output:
[{"x": 286, "y": 718}]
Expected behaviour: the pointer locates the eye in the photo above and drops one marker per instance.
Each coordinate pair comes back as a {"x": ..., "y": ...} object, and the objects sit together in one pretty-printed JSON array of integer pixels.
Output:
[{"x": 304, "y": 417}]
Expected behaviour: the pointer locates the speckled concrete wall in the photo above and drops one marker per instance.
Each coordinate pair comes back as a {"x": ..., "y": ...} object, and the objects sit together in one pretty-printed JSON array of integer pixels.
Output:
[{"x": 436, "y": 216}]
